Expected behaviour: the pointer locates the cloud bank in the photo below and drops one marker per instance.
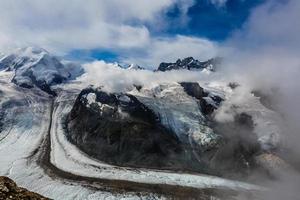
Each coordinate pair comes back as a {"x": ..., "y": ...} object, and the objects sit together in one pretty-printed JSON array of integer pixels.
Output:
[
  {"x": 264, "y": 55},
  {"x": 116, "y": 79}
]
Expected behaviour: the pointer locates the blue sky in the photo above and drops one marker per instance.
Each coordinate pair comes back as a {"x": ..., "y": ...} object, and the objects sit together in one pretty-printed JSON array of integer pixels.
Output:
[
  {"x": 212, "y": 21},
  {"x": 146, "y": 32},
  {"x": 203, "y": 19}
]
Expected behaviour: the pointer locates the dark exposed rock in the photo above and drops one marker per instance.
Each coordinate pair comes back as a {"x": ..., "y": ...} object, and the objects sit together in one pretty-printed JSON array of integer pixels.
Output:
[
  {"x": 233, "y": 85},
  {"x": 244, "y": 120},
  {"x": 1, "y": 120},
  {"x": 193, "y": 89},
  {"x": 9, "y": 190},
  {"x": 207, "y": 106},
  {"x": 204, "y": 98},
  {"x": 119, "y": 129},
  {"x": 189, "y": 63},
  {"x": 138, "y": 87},
  {"x": 134, "y": 67}
]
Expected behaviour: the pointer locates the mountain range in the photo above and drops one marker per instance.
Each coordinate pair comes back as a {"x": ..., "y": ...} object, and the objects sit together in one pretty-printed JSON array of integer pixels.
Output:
[{"x": 162, "y": 135}]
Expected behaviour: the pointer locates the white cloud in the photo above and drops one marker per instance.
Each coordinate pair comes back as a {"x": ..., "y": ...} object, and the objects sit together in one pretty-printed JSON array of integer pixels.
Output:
[
  {"x": 60, "y": 26},
  {"x": 170, "y": 49},
  {"x": 268, "y": 46},
  {"x": 64, "y": 25},
  {"x": 115, "y": 79},
  {"x": 273, "y": 24}
]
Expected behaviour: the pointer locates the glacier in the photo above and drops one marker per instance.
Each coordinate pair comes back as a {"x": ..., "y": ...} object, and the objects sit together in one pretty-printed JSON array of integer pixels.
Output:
[{"x": 35, "y": 152}]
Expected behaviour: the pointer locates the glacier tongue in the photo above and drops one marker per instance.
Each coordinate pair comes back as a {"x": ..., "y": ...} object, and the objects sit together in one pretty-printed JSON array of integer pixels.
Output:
[{"x": 180, "y": 113}]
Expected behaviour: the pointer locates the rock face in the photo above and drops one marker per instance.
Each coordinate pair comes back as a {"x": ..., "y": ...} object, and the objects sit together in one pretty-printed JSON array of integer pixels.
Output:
[
  {"x": 207, "y": 101},
  {"x": 35, "y": 67},
  {"x": 9, "y": 190},
  {"x": 189, "y": 63},
  {"x": 119, "y": 129}
]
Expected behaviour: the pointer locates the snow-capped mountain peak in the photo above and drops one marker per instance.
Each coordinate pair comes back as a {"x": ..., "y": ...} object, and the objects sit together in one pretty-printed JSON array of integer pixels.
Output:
[
  {"x": 31, "y": 51},
  {"x": 134, "y": 66},
  {"x": 35, "y": 66}
]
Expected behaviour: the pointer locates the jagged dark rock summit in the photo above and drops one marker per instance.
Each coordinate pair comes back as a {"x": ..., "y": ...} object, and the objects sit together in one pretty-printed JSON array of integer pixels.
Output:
[{"x": 190, "y": 63}]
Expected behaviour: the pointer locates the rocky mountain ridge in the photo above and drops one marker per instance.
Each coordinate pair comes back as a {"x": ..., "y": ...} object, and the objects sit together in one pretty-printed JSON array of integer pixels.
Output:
[{"x": 190, "y": 63}]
